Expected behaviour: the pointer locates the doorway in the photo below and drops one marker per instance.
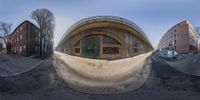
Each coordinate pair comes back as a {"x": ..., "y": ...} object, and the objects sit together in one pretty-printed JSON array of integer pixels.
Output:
[{"x": 91, "y": 46}]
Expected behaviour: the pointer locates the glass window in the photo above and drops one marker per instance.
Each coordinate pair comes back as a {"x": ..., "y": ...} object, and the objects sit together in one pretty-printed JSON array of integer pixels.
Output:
[
  {"x": 20, "y": 49},
  {"x": 135, "y": 46},
  {"x": 135, "y": 50},
  {"x": 36, "y": 48},
  {"x": 109, "y": 40},
  {"x": 77, "y": 50},
  {"x": 21, "y": 29},
  {"x": 20, "y": 36},
  {"x": 110, "y": 50}
]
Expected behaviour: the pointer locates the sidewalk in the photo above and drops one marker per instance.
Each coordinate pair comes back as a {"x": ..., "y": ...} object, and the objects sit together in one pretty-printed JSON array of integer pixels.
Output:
[
  {"x": 102, "y": 76},
  {"x": 189, "y": 65},
  {"x": 11, "y": 64}
]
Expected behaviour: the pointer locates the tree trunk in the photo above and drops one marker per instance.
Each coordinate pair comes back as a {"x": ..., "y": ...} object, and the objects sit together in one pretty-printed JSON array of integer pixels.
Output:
[
  {"x": 6, "y": 43},
  {"x": 41, "y": 44},
  {"x": 46, "y": 45},
  {"x": 43, "y": 47}
]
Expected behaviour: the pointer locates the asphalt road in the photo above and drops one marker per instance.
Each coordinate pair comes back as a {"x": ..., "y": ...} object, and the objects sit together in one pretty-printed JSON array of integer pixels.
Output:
[
  {"x": 43, "y": 83},
  {"x": 11, "y": 64}
]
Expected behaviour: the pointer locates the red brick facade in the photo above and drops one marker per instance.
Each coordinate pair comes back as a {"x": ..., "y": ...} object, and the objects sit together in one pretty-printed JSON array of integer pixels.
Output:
[
  {"x": 182, "y": 37},
  {"x": 25, "y": 39}
]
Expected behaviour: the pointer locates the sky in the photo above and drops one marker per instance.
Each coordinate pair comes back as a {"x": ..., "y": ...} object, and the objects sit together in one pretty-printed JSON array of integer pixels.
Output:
[{"x": 154, "y": 17}]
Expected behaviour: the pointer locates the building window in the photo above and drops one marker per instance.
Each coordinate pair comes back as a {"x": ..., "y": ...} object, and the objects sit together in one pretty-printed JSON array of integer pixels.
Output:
[
  {"x": 174, "y": 36},
  {"x": 17, "y": 38},
  {"x": 135, "y": 47},
  {"x": 135, "y": 50},
  {"x": 109, "y": 40},
  {"x": 21, "y": 29},
  {"x": 20, "y": 49},
  {"x": 110, "y": 50},
  {"x": 38, "y": 39},
  {"x": 36, "y": 48},
  {"x": 20, "y": 36},
  {"x": 77, "y": 50}
]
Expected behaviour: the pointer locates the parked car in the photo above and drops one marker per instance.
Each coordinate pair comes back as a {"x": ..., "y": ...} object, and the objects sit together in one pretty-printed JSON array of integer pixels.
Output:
[{"x": 168, "y": 54}]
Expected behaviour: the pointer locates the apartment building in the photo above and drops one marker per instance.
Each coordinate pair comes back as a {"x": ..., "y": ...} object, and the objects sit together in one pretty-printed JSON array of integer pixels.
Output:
[
  {"x": 24, "y": 40},
  {"x": 182, "y": 37}
]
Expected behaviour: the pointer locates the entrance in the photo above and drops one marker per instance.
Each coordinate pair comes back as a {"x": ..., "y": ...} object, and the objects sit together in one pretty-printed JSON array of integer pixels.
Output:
[{"x": 91, "y": 46}]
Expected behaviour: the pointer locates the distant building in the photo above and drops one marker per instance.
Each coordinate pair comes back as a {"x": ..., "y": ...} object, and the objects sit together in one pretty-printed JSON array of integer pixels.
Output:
[
  {"x": 182, "y": 37},
  {"x": 24, "y": 40},
  {"x": 104, "y": 37}
]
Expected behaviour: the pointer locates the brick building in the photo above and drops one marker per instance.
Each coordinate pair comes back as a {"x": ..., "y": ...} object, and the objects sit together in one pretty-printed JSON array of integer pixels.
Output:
[
  {"x": 182, "y": 37},
  {"x": 104, "y": 37},
  {"x": 24, "y": 40}
]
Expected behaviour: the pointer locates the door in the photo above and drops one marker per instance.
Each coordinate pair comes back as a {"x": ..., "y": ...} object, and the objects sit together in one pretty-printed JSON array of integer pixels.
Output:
[{"x": 91, "y": 47}]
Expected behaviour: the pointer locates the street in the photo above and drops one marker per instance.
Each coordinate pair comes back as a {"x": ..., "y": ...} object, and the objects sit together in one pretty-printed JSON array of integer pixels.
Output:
[
  {"x": 189, "y": 64},
  {"x": 99, "y": 50},
  {"x": 11, "y": 64},
  {"x": 163, "y": 83}
]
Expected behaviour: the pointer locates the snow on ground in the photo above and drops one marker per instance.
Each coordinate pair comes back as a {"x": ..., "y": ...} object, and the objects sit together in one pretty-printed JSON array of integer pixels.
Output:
[{"x": 102, "y": 76}]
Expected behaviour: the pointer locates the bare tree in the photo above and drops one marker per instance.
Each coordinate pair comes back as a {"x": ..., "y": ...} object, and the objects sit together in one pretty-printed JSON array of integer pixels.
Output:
[
  {"x": 198, "y": 29},
  {"x": 46, "y": 22},
  {"x": 5, "y": 29}
]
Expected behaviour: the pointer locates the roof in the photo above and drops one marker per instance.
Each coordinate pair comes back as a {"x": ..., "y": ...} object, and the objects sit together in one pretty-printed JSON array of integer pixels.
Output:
[
  {"x": 174, "y": 27},
  {"x": 26, "y": 21},
  {"x": 115, "y": 19}
]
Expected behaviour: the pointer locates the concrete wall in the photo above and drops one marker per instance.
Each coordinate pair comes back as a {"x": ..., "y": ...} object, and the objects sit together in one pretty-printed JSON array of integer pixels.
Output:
[{"x": 127, "y": 43}]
